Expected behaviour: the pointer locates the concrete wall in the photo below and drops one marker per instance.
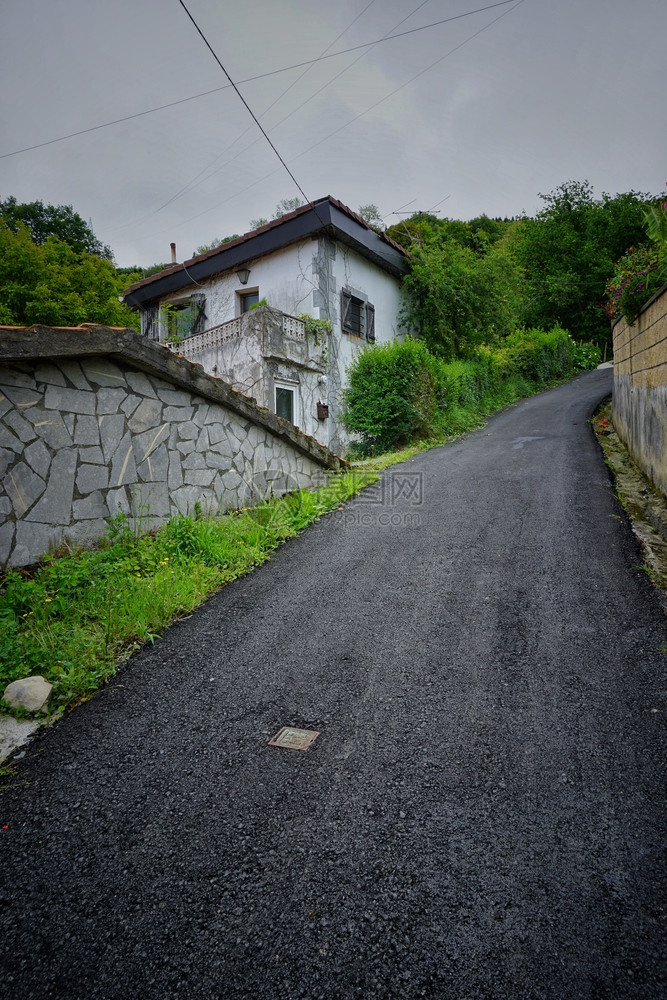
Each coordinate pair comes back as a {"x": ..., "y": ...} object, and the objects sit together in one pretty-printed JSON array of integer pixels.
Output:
[
  {"x": 95, "y": 420},
  {"x": 640, "y": 388},
  {"x": 264, "y": 347}
]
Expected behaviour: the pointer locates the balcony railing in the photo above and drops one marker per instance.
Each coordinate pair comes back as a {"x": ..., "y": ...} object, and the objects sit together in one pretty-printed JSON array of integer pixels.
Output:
[{"x": 193, "y": 346}]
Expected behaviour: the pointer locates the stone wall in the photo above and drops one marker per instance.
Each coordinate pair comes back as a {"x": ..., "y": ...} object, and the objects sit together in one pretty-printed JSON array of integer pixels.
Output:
[
  {"x": 640, "y": 388},
  {"x": 96, "y": 420}
]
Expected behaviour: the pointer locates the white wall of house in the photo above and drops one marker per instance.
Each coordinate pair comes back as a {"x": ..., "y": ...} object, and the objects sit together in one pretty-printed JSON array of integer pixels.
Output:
[
  {"x": 283, "y": 278},
  {"x": 366, "y": 281},
  {"x": 306, "y": 277}
]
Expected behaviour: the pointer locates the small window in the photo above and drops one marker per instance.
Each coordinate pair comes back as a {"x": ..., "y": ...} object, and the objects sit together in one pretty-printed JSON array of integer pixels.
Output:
[
  {"x": 286, "y": 402},
  {"x": 357, "y": 316},
  {"x": 248, "y": 300},
  {"x": 179, "y": 321}
]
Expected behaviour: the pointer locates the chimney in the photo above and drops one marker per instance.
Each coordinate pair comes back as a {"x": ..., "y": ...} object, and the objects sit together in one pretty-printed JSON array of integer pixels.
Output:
[{"x": 173, "y": 253}]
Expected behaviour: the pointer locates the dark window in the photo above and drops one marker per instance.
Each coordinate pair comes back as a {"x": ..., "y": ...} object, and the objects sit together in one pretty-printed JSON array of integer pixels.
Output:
[
  {"x": 353, "y": 324},
  {"x": 285, "y": 403},
  {"x": 248, "y": 300},
  {"x": 179, "y": 320},
  {"x": 357, "y": 316},
  {"x": 152, "y": 323}
]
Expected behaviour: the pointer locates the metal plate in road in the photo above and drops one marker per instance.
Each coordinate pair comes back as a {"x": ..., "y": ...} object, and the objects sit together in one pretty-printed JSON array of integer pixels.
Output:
[{"x": 294, "y": 739}]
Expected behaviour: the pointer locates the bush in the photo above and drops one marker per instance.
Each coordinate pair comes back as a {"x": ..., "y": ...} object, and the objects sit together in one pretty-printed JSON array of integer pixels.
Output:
[
  {"x": 639, "y": 275},
  {"x": 585, "y": 356},
  {"x": 400, "y": 392},
  {"x": 537, "y": 356},
  {"x": 391, "y": 395}
]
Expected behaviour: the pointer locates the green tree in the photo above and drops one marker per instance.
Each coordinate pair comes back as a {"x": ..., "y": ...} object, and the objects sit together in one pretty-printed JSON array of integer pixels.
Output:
[
  {"x": 569, "y": 251},
  {"x": 415, "y": 231},
  {"x": 284, "y": 207},
  {"x": 371, "y": 215},
  {"x": 54, "y": 284},
  {"x": 214, "y": 244},
  {"x": 62, "y": 221},
  {"x": 457, "y": 299}
]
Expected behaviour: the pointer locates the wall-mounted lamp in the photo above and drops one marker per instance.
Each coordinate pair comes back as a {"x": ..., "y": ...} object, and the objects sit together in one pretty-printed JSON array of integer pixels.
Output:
[{"x": 243, "y": 274}]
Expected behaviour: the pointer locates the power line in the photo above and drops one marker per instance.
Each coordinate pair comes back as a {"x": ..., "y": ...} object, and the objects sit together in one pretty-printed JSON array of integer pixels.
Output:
[
  {"x": 411, "y": 80},
  {"x": 200, "y": 179},
  {"x": 249, "y": 79},
  {"x": 242, "y": 98},
  {"x": 196, "y": 179},
  {"x": 304, "y": 152},
  {"x": 438, "y": 203}
]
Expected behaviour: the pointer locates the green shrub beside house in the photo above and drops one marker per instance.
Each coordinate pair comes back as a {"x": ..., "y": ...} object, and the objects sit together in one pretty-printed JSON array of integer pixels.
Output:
[{"x": 399, "y": 393}]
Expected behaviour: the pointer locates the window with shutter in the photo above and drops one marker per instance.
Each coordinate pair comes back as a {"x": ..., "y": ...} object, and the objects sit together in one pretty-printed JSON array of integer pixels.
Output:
[
  {"x": 151, "y": 324},
  {"x": 198, "y": 313},
  {"x": 370, "y": 323},
  {"x": 357, "y": 316},
  {"x": 346, "y": 303}
]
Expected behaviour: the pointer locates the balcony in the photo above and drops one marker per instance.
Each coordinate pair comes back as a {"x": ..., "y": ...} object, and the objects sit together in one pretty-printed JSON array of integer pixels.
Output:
[{"x": 279, "y": 335}]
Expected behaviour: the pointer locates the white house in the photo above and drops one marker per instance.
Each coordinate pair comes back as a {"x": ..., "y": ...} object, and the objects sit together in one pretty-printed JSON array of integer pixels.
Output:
[{"x": 235, "y": 310}]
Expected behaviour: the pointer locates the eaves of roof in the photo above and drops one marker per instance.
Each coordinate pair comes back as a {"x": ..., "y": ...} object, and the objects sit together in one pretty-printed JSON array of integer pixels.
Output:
[{"x": 327, "y": 216}]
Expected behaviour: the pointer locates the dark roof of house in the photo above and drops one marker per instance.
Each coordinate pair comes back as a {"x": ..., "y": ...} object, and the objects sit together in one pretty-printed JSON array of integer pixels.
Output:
[{"x": 327, "y": 216}]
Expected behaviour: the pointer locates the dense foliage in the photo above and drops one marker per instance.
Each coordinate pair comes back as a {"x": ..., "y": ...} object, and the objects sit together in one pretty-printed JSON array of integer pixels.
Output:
[
  {"x": 457, "y": 298},
  {"x": 54, "y": 284},
  {"x": 61, "y": 221},
  {"x": 402, "y": 392},
  {"x": 474, "y": 281},
  {"x": 569, "y": 252},
  {"x": 390, "y": 398},
  {"x": 471, "y": 282},
  {"x": 477, "y": 234},
  {"x": 638, "y": 275},
  {"x": 642, "y": 271}
]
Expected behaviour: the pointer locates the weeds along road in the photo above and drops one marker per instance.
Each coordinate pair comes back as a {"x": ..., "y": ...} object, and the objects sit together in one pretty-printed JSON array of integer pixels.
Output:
[{"x": 481, "y": 815}]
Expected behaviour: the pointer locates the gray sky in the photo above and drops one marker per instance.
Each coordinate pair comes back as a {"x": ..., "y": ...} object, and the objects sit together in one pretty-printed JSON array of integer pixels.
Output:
[{"x": 554, "y": 90}]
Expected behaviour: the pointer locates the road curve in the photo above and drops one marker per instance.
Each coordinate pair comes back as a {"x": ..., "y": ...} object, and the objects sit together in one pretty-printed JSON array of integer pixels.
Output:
[{"x": 482, "y": 815}]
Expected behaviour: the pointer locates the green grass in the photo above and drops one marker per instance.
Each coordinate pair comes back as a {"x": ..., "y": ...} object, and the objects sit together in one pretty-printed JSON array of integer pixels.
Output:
[{"x": 77, "y": 616}]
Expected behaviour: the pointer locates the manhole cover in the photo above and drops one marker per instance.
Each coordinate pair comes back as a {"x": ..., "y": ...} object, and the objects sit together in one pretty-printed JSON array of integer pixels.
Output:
[{"x": 294, "y": 739}]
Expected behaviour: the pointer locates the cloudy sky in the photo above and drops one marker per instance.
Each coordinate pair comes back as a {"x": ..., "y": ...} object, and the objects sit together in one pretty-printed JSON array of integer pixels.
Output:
[{"x": 475, "y": 115}]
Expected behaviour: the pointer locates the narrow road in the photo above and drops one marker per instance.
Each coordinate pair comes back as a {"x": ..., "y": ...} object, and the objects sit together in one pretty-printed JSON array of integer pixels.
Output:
[{"x": 482, "y": 815}]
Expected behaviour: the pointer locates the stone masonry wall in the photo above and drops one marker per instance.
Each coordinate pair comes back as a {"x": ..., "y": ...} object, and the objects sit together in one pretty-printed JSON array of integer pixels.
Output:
[
  {"x": 94, "y": 421},
  {"x": 640, "y": 388}
]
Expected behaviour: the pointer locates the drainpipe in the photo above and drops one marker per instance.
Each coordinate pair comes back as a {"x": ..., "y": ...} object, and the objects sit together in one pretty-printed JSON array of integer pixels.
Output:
[{"x": 173, "y": 253}]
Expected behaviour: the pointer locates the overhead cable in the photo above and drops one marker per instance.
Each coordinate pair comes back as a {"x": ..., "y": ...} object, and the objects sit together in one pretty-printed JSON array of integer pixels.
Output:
[
  {"x": 243, "y": 100},
  {"x": 249, "y": 79}
]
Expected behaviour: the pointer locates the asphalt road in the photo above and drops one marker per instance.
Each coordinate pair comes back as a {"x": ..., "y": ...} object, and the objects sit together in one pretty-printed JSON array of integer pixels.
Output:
[{"x": 482, "y": 815}]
